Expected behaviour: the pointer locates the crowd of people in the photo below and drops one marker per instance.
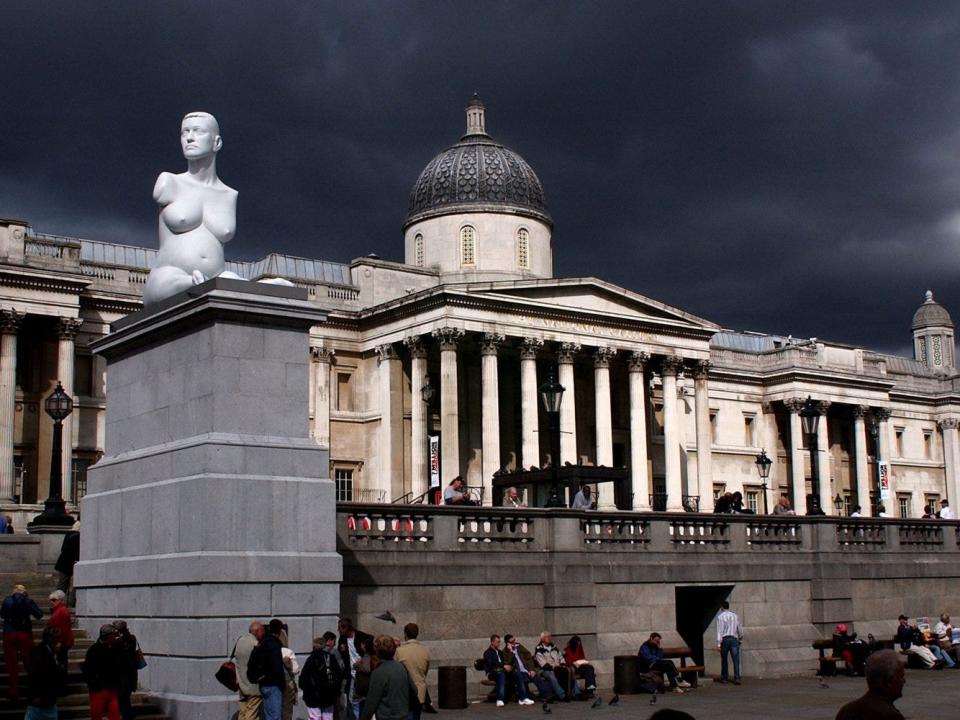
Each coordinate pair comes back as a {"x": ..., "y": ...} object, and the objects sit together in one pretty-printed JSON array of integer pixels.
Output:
[{"x": 110, "y": 667}]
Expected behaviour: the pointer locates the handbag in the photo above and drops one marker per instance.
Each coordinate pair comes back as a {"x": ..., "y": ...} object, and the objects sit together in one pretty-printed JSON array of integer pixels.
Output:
[
  {"x": 226, "y": 674},
  {"x": 141, "y": 662}
]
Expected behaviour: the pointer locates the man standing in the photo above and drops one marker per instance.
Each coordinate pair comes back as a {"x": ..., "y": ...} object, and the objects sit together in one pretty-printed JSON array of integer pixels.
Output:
[
  {"x": 389, "y": 693},
  {"x": 271, "y": 677},
  {"x": 349, "y": 644},
  {"x": 651, "y": 658},
  {"x": 250, "y": 700},
  {"x": 946, "y": 513},
  {"x": 729, "y": 636},
  {"x": 102, "y": 672},
  {"x": 60, "y": 619},
  {"x": 885, "y": 681},
  {"x": 416, "y": 659},
  {"x": 17, "y": 634}
]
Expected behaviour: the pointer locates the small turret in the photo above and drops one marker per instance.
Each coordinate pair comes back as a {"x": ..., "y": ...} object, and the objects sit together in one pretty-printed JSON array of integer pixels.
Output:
[{"x": 933, "y": 335}]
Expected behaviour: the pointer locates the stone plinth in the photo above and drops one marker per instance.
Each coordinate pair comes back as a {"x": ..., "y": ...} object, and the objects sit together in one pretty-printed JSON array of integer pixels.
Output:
[{"x": 211, "y": 506}]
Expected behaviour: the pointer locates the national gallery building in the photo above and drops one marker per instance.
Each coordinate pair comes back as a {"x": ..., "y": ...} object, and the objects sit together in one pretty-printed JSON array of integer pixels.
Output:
[{"x": 444, "y": 354}]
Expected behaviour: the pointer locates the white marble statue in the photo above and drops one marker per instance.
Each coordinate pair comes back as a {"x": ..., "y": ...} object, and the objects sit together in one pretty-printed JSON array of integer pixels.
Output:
[{"x": 198, "y": 214}]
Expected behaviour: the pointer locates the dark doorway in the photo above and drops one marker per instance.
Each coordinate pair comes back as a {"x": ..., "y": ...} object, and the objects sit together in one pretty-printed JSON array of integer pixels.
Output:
[{"x": 697, "y": 605}]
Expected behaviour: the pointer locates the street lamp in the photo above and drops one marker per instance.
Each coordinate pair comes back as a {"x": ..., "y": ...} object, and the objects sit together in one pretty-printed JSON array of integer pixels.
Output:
[
  {"x": 58, "y": 406},
  {"x": 810, "y": 416},
  {"x": 763, "y": 468},
  {"x": 838, "y": 503},
  {"x": 551, "y": 395},
  {"x": 427, "y": 391}
]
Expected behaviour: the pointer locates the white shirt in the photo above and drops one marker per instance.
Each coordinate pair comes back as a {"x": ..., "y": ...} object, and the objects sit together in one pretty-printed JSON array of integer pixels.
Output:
[
  {"x": 855, "y": 514},
  {"x": 942, "y": 631},
  {"x": 728, "y": 625},
  {"x": 946, "y": 513},
  {"x": 354, "y": 655}
]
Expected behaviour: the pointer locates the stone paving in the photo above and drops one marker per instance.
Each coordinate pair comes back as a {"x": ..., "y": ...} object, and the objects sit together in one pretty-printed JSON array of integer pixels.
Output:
[{"x": 928, "y": 694}]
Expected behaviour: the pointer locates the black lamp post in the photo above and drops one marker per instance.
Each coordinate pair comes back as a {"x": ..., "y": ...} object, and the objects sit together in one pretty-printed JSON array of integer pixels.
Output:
[
  {"x": 810, "y": 416},
  {"x": 873, "y": 425},
  {"x": 763, "y": 468},
  {"x": 58, "y": 405},
  {"x": 551, "y": 395},
  {"x": 838, "y": 504},
  {"x": 427, "y": 392}
]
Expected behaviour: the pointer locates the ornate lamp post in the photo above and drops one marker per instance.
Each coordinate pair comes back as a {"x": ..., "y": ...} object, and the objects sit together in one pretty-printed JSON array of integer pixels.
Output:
[
  {"x": 810, "y": 416},
  {"x": 838, "y": 504},
  {"x": 58, "y": 405},
  {"x": 551, "y": 395},
  {"x": 427, "y": 392},
  {"x": 763, "y": 469}
]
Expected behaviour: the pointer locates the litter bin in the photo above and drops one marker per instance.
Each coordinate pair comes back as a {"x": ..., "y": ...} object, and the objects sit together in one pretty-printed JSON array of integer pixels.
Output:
[
  {"x": 452, "y": 687},
  {"x": 625, "y": 669}
]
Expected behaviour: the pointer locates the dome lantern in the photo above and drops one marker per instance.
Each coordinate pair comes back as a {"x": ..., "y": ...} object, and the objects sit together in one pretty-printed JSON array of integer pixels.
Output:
[{"x": 933, "y": 342}]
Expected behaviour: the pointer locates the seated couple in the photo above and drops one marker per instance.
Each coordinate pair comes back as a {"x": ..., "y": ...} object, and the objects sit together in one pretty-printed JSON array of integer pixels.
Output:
[{"x": 545, "y": 668}]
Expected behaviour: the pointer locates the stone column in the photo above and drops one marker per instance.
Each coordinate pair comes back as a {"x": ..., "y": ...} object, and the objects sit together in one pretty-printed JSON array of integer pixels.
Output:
[
  {"x": 568, "y": 407},
  {"x": 671, "y": 433},
  {"x": 390, "y": 486},
  {"x": 490, "y": 411},
  {"x": 883, "y": 440},
  {"x": 67, "y": 329},
  {"x": 823, "y": 460},
  {"x": 419, "y": 468},
  {"x": 951, "y": 460},
  {"x": 798, "y": 477},
  {"x": 604, "y": 421},
  {"x": 770, "y": 443},
  {"x": 860, "y": 459},
  {"x": 448, "y": 338},
  {"x": 639, "y": 472},
  {"x": 322, "y": 358},
  {"x": 529, "y": 418},
  {"x": 701, "y": 394},
  {"x": 9, "y": 324}
]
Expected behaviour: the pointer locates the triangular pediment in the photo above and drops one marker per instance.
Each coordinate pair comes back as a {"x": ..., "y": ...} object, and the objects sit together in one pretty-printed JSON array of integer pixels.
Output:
[{"x": 589, "y": 296}]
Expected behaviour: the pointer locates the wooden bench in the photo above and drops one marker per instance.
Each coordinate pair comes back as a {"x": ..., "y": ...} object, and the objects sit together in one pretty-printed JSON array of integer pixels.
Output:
[
  {"x": 828, "y": 662},
  {"x": 690, "y": 673}
]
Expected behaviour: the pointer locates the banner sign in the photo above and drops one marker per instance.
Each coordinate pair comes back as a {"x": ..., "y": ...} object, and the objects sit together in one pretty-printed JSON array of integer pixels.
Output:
[
  {"x": 884, "y": 480},
  {"x": 434, "y": 461}
]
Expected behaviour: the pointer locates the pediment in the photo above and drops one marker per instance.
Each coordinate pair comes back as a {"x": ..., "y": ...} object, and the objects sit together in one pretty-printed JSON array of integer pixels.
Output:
[{"x": 593, "y": 297}]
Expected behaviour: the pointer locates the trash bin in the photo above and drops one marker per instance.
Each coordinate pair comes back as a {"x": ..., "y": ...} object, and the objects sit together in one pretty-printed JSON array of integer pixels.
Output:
[
  {"x": 625, "y": 669},
  {"x": 452, "y": 687}
]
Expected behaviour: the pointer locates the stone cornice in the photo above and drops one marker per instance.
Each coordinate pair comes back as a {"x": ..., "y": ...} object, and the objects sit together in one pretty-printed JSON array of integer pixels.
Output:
[{"x": 60, "y": 282}]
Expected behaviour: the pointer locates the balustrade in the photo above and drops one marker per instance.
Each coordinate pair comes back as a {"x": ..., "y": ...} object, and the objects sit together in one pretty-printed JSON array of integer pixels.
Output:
[
  {"x": 386, "y": 529},
  {"x": 479, "y": 527},
  {"x": 779, "y": 533},
  {"x": 867, "y": 534},
  {"x": 700, "y": 531},
  {"x": 622, "y": 531},
  {"x": 920, "y": 534}
]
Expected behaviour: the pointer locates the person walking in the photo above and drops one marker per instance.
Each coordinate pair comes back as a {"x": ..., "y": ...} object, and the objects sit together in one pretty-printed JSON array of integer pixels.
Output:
[
  {"x": 729, "y": 637},
  {"x": 321, "y": 678},
  {"x": 103, "y": 672},
  {"x": 389, "y": 693},
  {"x": 16, "y": 611},
  {"x": 60, "y": 619},
  {"x": 128, "y": 647},
  {"x": 266, "y": 668},
  {"x": 250, "y": 701},
  {"x": 46, "y": 678},
  {"x": 416, "y": 659},
  {"x": 66, "y": 560}
]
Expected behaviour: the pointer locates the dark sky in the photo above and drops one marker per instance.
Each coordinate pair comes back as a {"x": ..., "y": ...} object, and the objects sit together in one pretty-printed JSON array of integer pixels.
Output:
[{"x": 785, "y": 167}]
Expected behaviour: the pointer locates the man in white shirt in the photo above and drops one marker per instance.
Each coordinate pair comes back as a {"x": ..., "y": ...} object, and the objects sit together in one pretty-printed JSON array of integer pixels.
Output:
[
  {"x": 729, "y": 635},
  {"x": 583, "y": 500},
  {"x": 946, "y": 512},
  {"x": 856, "y": 512}
]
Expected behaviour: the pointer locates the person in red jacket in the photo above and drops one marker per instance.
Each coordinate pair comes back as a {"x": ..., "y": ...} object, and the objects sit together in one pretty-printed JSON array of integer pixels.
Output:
[
  {"x": 574, "y": 657},
  {"x": 60, "y": 619}
]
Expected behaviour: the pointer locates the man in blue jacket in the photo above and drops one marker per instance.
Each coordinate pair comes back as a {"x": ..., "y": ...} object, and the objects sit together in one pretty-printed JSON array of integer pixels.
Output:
[
  {"x": 651, "y": 658},
  {"x": 16, "y": 612}
]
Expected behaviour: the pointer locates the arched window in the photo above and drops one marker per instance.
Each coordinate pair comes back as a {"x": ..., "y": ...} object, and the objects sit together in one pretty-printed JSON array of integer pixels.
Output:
[
  {"x": 418, "y": 250},
  {"x": 468, "y": 245},
  {"x": 523, "y": 249}
]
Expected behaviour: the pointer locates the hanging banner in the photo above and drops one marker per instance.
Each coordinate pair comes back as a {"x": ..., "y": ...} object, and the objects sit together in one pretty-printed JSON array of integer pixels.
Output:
[
  {"x": 434, "y": 461},
  {"x": 884, "y": 479}
]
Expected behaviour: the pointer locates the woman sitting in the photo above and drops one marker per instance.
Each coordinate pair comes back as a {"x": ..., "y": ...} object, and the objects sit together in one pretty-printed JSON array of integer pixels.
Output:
[{"x": 574, "y": 657}]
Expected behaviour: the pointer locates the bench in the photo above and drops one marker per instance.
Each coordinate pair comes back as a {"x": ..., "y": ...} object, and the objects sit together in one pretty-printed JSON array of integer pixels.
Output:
[
  {"x": 828, "y": 662},
  {"x": 690, "y": 673}
]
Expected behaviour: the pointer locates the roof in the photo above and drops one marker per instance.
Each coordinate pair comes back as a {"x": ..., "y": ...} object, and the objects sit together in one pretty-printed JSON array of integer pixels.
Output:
[{"x": 931, "y": 314}]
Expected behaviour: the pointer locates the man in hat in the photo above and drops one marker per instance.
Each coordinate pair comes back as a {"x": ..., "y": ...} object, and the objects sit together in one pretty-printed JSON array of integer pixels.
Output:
[
  {"x": 16, "y": 612},
  {"x": 103, "y": 674}
]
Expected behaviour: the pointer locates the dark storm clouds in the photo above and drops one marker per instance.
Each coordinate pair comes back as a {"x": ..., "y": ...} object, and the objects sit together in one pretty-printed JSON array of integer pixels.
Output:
[{"x": 787, "y": 167}]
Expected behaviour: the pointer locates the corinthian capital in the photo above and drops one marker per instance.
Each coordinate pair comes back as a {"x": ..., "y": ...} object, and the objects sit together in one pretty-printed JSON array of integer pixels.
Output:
[
  {"x": 490, "y": 343},
  {"x": 415, "y": 346},
  {"x": 529, "y": 347},
  {"x": 671, "y": 365},
  {"x": 602, "y": 355},
  {"x": 448, "y": 337},
  {"x": 67, "y": 328},
  {"x": 948, "y": 423},
  {"x": 322, "y": 354},
  {"x": 701, "y": 370},
  {"x": 385, "y": 352},
  {"x": 566, "y": 352},
  {"x": 637, "y": 361},
  {"x": 882, "y": 414},
  {"x": 10, "y": 321}
]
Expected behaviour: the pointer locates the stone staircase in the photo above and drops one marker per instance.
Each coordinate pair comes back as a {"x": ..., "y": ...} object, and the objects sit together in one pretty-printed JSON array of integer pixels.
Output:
[{"x": 74, "y": 704}]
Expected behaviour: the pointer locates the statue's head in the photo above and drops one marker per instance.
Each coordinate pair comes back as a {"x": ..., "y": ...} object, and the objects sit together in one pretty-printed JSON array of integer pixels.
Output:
[{"x": 199, "y": 135}]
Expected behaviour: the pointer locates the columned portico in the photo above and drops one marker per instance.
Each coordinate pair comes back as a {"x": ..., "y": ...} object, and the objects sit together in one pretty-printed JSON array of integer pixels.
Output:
[
  {"x": 448, "y": 339},
  {"x": 490, "y": 388},
  {"x": 671, "y": 433},
  {"x": 860, "y": 459},
  {"x": 604, "y": 420},
  {"x": 9, "y": 324},
  {"x": 529, "y": 419},
  {"x": 568, "y": 409},
  {"x": 389, "y": 362},
  {"x": 639, "y": 473},
  {"x": 322, "y": 357},
  {"x": 419, "y": 476},
  {"x": 951, "y": 459},
  {"x": 798, "y": 477},
  {"x": 823, "y": 460},
  {"x": 67, "y": 329},
  {"x": 701, "y": 393}
]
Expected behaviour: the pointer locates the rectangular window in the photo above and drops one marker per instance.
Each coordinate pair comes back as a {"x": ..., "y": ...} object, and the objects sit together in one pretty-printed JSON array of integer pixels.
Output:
[
  {"x": 83, "y": 375},
  {"x": 749, "y": 430},
  {"x": 903, "y": 504},
  {"x": 932, "y": 500},
  {"x": 753, "y": 497},
  {"x": 658, "y": 419},
  {"x": 718, "y": 490},
  {"x": 79, "y": 475},
  {"x": 523, "y": 249},
  {"x": 847, "y": 505},
  {"x": 714, "y": 427},
  {"x": 418, "y": 249},
  {"x": 19, "y": 477},
  {"x": 344, "y": 481},
  {"x": 898, "y": 434},
  {"x": 928, "y": 444},
  {"x": 468, "y": 246},
  {"x": 344, "y": 392}
]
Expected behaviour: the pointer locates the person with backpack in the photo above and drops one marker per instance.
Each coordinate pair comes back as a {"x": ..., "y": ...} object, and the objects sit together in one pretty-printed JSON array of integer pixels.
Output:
[{"x": 321, "y": 678}]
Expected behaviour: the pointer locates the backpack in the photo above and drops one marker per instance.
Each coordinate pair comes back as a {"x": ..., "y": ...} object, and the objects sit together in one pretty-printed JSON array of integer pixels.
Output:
[{"x": 320, "y": 681}]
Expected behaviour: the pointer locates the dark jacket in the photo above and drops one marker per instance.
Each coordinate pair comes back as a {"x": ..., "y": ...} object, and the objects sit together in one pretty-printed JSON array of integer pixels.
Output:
[
  {"x": 127, "y": 646},
  {"x": 270, "y": 663},
  {"x": 525, "y": 656},
  {"x": 649, "y": 654},
  {"x": 16, "y": 612},
  {"x": 69, "y": 554},
  {"x": 493, "y": 661},
  {"x": 46, "y": 678},
  {"x": 358, "y": 638},
  {"x": 103, "y": 667},
  {"x": 316, "y": 693},
  {"x": 389, "y": 693}
]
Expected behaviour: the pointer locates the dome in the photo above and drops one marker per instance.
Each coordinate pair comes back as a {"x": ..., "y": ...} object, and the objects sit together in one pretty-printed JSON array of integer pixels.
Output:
[
  {"x": 931, "y": 314},
  {"x": 477, "y": 174}
]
